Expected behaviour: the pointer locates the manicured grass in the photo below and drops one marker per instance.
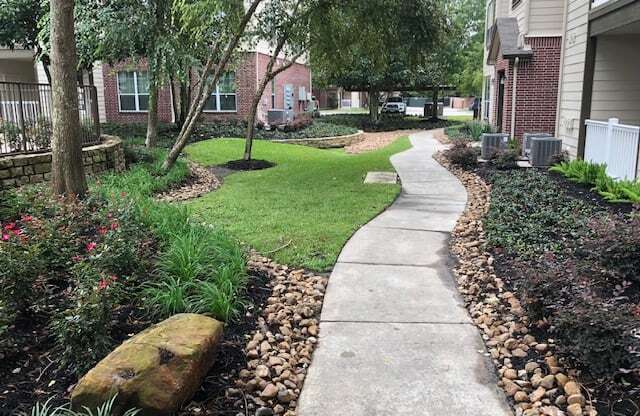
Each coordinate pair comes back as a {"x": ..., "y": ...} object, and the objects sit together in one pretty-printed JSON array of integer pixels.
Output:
[
  {"x": 308, "y": 205},
  {"x": 460, "y": 118}
]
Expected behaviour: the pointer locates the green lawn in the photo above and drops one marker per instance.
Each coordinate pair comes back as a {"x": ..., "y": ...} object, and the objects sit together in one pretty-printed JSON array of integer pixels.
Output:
[
  {"x": 311, "y": 202},
  {"x": 460, "y": 118}
]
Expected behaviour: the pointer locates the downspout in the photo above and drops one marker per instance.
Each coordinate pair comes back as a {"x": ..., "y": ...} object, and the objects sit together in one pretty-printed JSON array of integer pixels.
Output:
[
  {"x": 561, "y": 74},
  {"x": 513, "y": 97}
]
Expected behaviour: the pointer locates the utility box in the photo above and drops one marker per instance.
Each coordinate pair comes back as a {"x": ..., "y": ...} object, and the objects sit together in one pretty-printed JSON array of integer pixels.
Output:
[
  {"x": 280, "y": 117},
  {"x": 543, "y": 149},
  {"x": 526, "y": 142},
  {"x": 493, "y": 143}
]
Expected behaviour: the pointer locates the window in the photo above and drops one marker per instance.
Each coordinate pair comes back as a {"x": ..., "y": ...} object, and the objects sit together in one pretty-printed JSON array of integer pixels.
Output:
[
  {"x": 486, "y": 105},
  {"x": 515, "y": 3},
  {"x": 133, "y": 90},
  {"x": 273, "y": 93},
  {"x": 223, "y": 98}
]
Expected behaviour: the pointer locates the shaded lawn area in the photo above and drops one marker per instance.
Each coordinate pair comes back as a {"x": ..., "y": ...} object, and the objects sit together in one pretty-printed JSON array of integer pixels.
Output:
[
  {"x": 307, "y": 206},
  {"x": 460, "y": 118}
]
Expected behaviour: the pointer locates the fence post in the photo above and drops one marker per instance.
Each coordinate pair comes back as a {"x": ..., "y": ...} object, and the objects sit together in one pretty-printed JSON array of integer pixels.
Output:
[
  {"x": 21, "y": 118},
  {"x": 94, "y": 111},
  {"x": 610, "y": 125}
]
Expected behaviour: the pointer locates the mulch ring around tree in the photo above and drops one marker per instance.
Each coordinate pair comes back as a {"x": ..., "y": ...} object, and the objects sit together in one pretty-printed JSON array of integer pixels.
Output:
[
  {"x": 266, "y": 354},
  {"x": 199, "y": 182},
  {"x": 252, "y": 164},
  {"x": 530, "y": 372}
]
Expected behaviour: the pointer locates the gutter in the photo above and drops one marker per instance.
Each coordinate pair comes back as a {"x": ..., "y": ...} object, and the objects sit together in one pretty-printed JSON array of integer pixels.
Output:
[
  {"x": 561, "y": 73},
  {"x": 513, "y": 97}
]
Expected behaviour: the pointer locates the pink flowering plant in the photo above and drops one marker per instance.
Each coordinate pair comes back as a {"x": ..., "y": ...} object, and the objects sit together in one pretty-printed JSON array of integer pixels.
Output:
[{"x": 68, "y": 267}]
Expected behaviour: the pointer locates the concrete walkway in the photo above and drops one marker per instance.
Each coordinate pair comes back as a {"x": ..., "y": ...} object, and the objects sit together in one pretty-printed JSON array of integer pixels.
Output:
[{"x": 394, "y": 337}]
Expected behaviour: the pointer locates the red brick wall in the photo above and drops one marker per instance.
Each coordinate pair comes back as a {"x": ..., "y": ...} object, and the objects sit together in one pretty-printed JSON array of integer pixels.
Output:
[
  {"x": 112, "y": 108},
  {"x": 537, "y": 88},
  {"x": 298, "y": 75},
  {"x": 246, "y": 84}
]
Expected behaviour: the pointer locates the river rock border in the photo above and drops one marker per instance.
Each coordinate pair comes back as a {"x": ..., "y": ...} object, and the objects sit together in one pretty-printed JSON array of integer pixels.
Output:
[
  {"x": 279, "y": 351},
  {"x": 327, "y": 142},
  {"x": 33, "y": 168},
  {"x": 529, "y": 371}
]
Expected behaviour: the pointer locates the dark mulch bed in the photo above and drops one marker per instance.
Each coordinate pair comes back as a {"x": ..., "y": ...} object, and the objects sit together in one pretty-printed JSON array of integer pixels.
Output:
[
  {"x": 615, "y": 396},
  {"x": 39, "y": 367},
  {"x": 231, "y": 357},
  {"x": 244, "y": 165}
]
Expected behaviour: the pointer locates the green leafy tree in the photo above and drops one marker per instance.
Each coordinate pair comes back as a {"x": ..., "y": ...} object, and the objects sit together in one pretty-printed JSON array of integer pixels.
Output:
[
  {"x": 221, "y": 25},
  {"x": 284, "y": 26},
  {"x": 19, "y": 26},
  {"x": 394, "y": 38}
]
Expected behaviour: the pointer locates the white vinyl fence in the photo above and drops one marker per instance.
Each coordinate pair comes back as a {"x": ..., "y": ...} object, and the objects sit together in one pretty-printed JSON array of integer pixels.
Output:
[{"x": 614, "y": 144}]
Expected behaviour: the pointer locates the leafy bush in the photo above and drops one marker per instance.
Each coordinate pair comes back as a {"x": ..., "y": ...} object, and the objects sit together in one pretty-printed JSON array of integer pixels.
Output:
[
  {"x": 574, "y": 266},
  {"x": 610, "y": 189},
  {"x": 11, "y": 134},
  {"x": 386, "y": 122},
  {"x": 470, "y": 130},
  {"x": 580, "y": 171},
  {"x": 598, "y": 337},
  {"x": 201, "y": 271},
  {"x": 559, "y": 158},
  {"x": 504, "y": 160},
  {"x": 461, "y": 154}
]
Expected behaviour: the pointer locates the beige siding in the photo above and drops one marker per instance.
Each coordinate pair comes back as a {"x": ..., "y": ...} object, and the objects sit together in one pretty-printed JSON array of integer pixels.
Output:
[
  {"x": 546, "y": 17},
  {"x": 616, "y": 80},
  {"x": 575, "y": 49},
  {"x": 521, "y": 12}
]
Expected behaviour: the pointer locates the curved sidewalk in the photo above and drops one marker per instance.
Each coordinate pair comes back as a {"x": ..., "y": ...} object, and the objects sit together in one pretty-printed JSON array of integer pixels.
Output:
[{"x": 395, "y": 338}]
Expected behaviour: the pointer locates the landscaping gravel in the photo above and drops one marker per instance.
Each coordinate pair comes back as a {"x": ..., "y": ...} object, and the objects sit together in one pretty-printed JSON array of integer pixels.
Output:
[
  {"x": 374, "y": 141},
  {"x": 529, "y": 370}
]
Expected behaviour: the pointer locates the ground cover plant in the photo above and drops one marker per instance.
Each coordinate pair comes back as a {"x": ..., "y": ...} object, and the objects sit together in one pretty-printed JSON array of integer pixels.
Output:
[
  {"x": 575, "y": 266},
  {"x": 386, "y": 122},
  {"x": 82, "y": 277},
  {"x": 302, "y": 210},
  {"x": 595, "y": 175},
  {"x": 469, "y": 130},
  {"x": 135, "y": 133}
]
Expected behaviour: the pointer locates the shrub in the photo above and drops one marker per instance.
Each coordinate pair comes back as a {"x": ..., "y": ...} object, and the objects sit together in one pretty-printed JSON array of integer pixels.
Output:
[
  {"x": 599, "y": 338},
  {"x": 504, "y": 160},
  {"x": 461, "y": 154},
  {"x": 559, "y": 158},
  {"x": 477, "y": 128},
  {"x": 386, "y": 123},
  {"x": 201, "y": 271},
  {"x": 580, "y": 171},
  {"x": 11, "y": 134}
]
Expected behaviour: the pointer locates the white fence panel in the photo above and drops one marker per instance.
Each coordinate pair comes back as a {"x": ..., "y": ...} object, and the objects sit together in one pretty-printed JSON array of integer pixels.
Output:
[{"x": 614, "y": 144}]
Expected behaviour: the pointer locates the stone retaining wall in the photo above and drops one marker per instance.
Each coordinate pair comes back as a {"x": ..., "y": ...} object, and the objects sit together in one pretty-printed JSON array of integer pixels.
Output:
[
  {"x": 33, "y": 168},
  {"x": 327, "y": 142}
]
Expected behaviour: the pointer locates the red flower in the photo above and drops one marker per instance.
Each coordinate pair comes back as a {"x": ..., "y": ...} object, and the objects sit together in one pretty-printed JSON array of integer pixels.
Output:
[
  {"x": 17, "y": 231},
  {"x": 77, "y": 258},
  {"x": 102, "y": 230},
  {"x": 5, "y": 237},
  {"x": 114, "y": 226},
  {"x": 90, "y": 247},
  {"x": 114, "y": 277},
  {"x": 103, "y": 284},
  {"x": 27, "y": 218},
  {"x": 10, "y": 226}
]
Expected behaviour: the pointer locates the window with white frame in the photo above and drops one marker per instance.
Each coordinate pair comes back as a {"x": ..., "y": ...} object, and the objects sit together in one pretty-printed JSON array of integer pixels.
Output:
[
  {"x": 133, "y": 90},
  {"x": 223, "y": 97},
  {"x": 273, "y": 93}
]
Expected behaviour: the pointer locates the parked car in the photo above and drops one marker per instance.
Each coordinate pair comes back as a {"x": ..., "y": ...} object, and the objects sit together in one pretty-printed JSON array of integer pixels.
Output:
[{"x": 394, "y": 105}]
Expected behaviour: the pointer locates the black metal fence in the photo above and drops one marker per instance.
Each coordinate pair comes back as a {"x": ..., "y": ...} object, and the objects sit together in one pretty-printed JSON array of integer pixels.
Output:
[{"x": 25, "y": 117}]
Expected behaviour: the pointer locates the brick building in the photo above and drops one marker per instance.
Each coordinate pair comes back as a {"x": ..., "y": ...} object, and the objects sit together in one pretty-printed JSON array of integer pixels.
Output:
[
  {"x": 523, "y": 50},
  {"x": 123, "y": 91}
]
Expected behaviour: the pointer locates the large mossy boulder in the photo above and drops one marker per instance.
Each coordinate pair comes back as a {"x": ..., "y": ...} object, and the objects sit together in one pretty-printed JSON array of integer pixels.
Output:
[{"x": 157, "y": 370}]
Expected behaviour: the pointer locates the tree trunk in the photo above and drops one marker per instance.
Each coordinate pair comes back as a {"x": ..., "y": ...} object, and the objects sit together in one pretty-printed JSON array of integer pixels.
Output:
[
  {"x": 175, "y": 100},
  {"x": 251, "y": 120},
  {"x": 434, "y": 109},
  {"x": 152, "y": 119},
  {"x": 215, "y": 71},
  {"x": 374, "y": 115},
  {"x": 67, "y": 169}
]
